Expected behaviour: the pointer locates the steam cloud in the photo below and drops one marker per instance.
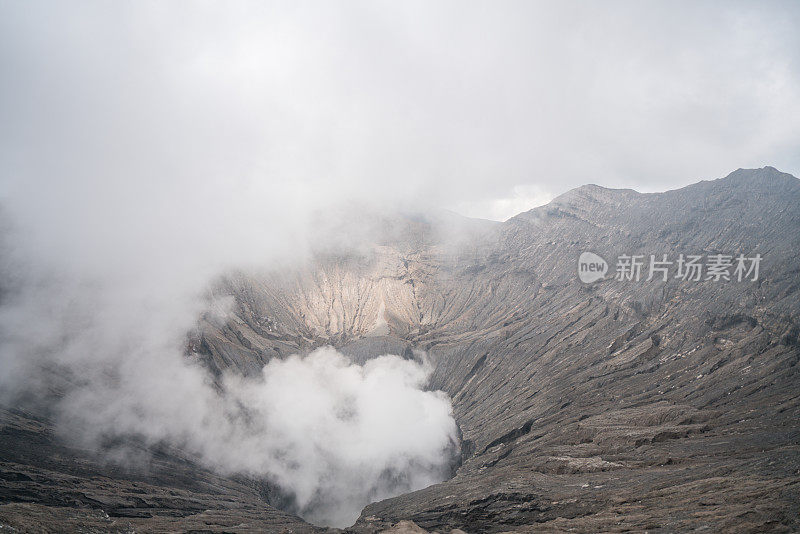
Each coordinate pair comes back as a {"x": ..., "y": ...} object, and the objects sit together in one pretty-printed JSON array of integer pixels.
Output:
[{"x": 332, "y": 435}]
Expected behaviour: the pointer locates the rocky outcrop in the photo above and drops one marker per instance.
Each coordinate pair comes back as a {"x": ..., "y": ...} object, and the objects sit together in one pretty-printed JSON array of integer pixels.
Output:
[{"x": 46, "y": 486}]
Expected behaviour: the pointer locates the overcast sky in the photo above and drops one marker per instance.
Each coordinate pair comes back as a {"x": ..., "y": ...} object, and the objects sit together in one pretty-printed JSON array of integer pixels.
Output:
[{"x": 488, "y": 108}]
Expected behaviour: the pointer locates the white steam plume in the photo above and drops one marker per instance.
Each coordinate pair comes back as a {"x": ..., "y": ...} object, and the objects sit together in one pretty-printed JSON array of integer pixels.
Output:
[{"x": 333, "y": 435}]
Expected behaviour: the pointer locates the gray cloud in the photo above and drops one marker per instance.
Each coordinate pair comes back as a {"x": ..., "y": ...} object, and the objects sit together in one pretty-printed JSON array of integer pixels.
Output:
[{"x": 453, "y": 101}]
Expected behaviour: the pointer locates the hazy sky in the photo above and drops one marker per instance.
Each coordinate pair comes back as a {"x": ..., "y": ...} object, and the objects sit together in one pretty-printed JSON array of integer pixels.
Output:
[{"x": 485, "y": 107}]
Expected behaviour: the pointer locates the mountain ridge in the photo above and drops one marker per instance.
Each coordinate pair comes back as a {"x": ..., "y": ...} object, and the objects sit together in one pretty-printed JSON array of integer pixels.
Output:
[{"x": 618, "y": 405}]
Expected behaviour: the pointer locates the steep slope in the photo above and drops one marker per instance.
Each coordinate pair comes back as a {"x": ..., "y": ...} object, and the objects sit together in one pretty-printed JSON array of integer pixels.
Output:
[
  {"x": 593, "y": 406},
  {"x": 630, "y": 404},
  {"x": 617, "y": 405}
]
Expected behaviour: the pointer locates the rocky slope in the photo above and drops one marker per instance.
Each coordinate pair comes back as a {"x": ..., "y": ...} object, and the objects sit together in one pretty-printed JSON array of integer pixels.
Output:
[{"x": 618, "y": 405}]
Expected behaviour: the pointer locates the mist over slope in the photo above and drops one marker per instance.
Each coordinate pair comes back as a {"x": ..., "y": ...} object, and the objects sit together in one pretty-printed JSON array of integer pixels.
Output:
[
  {"x": 620, "y": 404},
  {"x": 580, "y": 401},
  {"x": 108, "y": 355}
]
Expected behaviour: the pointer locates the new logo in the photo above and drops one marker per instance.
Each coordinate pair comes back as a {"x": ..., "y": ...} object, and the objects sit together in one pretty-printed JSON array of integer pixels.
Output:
[{"x": 591, "y": 267}]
